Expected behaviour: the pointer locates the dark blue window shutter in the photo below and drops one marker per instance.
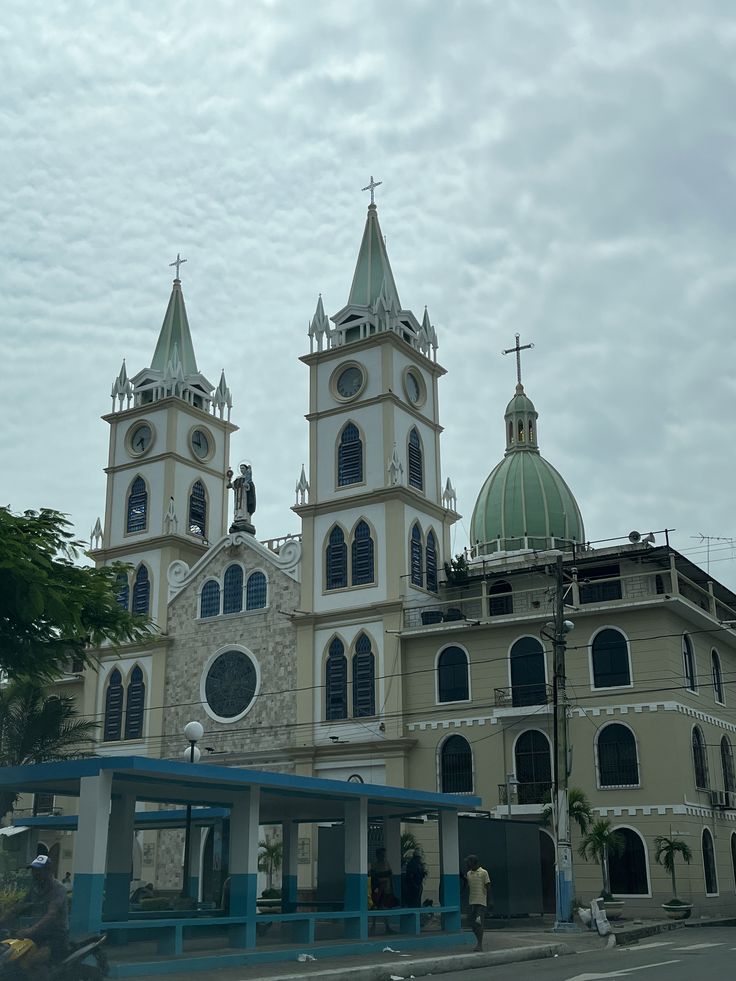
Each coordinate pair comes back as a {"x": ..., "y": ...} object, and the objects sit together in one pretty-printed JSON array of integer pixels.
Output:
[
  {"x": 336, "y": 682},
  {"x": 336, "y": 560},
  {"x": 137, "y": 505},
  {"x": 232, "y": 589},
  {"x": 256, "y": 591},
  {"x": 198, "y": 510},
  {"x": 431, "y": 562},
  {"x": 141, "y": 591},
  {"x": 416, "y": 464},
  {"x": 452, "y": 675},
  {"x": 350, "y": 457},
  {"x": 415, "y": 556},
  {"x": 122, "y": 587},
  {"x": 209, "y": 601},
  {"x": 364, "y": 684},
  {"x": 135, "y": 704},
  {"x": 112, "y": 729},
  {"x": 362, "y": 548}
]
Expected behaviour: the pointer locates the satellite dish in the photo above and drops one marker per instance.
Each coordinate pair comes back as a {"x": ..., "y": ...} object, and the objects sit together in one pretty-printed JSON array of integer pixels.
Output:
[{"x": 634, "y": 537}]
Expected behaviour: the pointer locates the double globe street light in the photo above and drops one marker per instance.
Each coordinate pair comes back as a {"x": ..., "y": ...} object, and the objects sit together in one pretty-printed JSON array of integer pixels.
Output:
[{"x": 193, "y": 732}]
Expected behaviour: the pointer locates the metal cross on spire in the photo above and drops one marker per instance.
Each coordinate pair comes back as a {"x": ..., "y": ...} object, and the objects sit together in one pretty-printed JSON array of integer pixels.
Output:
[
  {"x": 371, "y": 187},
  {"x": 518, "y": 348},
  {"x": 177, "y": 262}
]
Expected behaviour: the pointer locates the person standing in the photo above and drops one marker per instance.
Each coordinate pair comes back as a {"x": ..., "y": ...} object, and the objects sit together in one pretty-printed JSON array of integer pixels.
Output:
[
  {"x": 382, "y": 886},
  {"x": 479, "y": 884},
  {"x": 414, "y": 875}
]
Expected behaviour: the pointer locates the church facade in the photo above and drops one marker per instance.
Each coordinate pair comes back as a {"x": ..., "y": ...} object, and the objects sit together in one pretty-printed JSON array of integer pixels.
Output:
[{"x": 362, "y": 649}]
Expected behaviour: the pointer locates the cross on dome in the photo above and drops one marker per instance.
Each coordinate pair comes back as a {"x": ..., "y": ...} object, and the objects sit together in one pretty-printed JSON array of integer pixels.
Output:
[
  {"x": 518, "y": 348},
  {"x": 371, "y": 187},
  {"x": 177, "y": 262}
]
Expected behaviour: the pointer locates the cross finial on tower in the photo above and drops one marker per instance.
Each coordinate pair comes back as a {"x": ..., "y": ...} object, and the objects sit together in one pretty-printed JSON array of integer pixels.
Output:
[
  {"x": 177, "y": 262},
  {"x": 371, "y": 187},
  {"x": 518, "y": 348}
]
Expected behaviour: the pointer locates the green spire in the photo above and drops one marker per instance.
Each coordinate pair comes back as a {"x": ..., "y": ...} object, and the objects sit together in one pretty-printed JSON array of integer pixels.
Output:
[
  {"x": 175, "y": 336},
  {"x": 373, "y": 270}
]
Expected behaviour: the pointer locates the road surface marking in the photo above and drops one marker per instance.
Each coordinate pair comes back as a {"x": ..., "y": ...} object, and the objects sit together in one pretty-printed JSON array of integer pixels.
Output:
[
  {"x": 623, "y": 973},
  {"x": 700, "y": 946},
  {"x": 662, "y": 943}
]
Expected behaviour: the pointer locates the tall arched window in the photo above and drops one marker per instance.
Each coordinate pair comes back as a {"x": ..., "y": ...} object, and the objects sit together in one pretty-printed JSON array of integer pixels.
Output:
[
  {"x": 456, "y": 766},
  {"x": 610, "y": 655},
  {"x": 717, "y": 677},
  {"x": 137, "y": 506},
  {"x": 733, "y": 855},
  {"x": 700, "y": 759},
  {"x": 232, "y": 589},
  {"x": 142, "y": 591},
  {"x": 628, "y": 871},
  {"x": 416, "y": 462},
  {"x": 336, "y": 560},
  {"x": 113, "y": 727},
  {"x": 500, "y": 599},
  {"x": 336, "y": 682},
  {"x": 452, "y": 675},
  {"x": 415, "y": 556},
  {"x": 256, "y": 591},
  {"x": 618, "y": 765},
  {"x": 729, "y": 775},
  {"x": 688, "y": 664},
  {"x": 122, "y": 590},
  {"x": 430, "y": 563},
  {"x": 709, "y": 864},
  {"x": 135, "y": 704},
  {"x": 349, "y": 456},
  {"x": 198, "y": 510},
  {"x": 528, "y": 678},
  {"x": 364, "y": 684},
  {"x": 209, "y": 600},
  {"x": 362, "y": 555},
  {"x": 533, "y": 767}
]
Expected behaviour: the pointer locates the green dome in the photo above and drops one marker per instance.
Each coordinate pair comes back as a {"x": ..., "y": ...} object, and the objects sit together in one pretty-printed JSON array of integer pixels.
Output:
[{"x": 524, "y": 502}]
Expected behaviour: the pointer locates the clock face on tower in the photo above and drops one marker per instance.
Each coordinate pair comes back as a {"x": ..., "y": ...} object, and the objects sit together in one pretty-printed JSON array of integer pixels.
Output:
[
  {"x": 349, "y": 381},
  {"x": 200, "y": 443},
  {"x": 140, "y": 438},
  {"x": 414, "y": 387}
]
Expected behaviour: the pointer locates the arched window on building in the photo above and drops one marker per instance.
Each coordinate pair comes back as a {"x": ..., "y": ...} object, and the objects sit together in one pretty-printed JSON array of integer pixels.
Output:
[
  {"x": 137, "y": 506},
  {"x": 709, "y": 864},
  {"x": 430, "y": 562},
  {"x": 198, "y": 510},
  {"x": 416, "y": 461},
  {"x": 415, "y": 556},
  {"x": 456, "y": 766},
  {"x": 256, "y": 591},
  {"x": 700, "y": 759},
  {"x": 336, "y": 560},
  {"x": 113, "y": 727},
  {"x": 500, "y": 599},
  {"x": 336, "y": 682},
  {"x": 733, "y": 855},
  {"x": 729, "y": 775},
  {"x": 135, "y": 704},
  {"x": 122, "y": 590},
  {"x": 232, "y": 589},
  {"x": 688, "y": 664},
  {"x": 533, "y": 767},
  {"x": 349, "y": 456},
  {"x": 618, "y": 765},
  {"x": 363, "y": 571},
  {"x": 452, "y": 675},
  {"x": 528, "y": 678},
  {"x": 142, "y": 591},
  {"x": 628, "y": 871},
  {"x": 610, "y": 656},
  {"x": 717, "y": 677},
  {"x": 364, "y": 681},
  {"x": 209, "y": 599}
]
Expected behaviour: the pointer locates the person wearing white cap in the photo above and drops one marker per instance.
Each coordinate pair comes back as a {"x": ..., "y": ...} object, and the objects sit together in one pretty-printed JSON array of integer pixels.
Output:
[{"x": 47, "y": 900}]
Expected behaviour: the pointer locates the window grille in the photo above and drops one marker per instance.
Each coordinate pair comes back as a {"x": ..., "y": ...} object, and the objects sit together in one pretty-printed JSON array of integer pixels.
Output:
[
  {"x": 452, "y": 675},
  {"x": 416, "y": 464},
  {"x": 350, "y": 456},
  {"x": 232, "y": 589},
  {"x": 43, "y": 804},
  {"x": 431, "y": 562},
  {"x": 209, "y": 601},
  {"x": 198, "y": 510},
  {"x": 364, "y": 687},
  {"x": 618, "y": 765},
  {"x": 255, "y": 591},
  {"x": 688, "y": 664},
  {"x": 601, "y": 584},
  {"x": 700, "y": 759},
  {"x": 533, "y": 767},
  {"x": 717, "y": 677},
  {"x": 528, "y": 679},
  {"x": 729, "y": 777},
  {"x": 610, "y": 660},
  {"x": 500, "y": 599},
  {"x": 709, "y": 863},
  {"x": 336, "y": 560},
  {"x": 137, "y": 505},
  {"x": 141, "y": 591},
  {"x": 628, "y": 871},
  {"x": 456, "y": 766},
  {"x": 112, "y": 729},
  {"x": 134, "y": 705},
  {"x": 336, "y": 682},
  {"x": 362, "y": 555},
  {"x": 122, "y": 587},
  {"x": 415, "y": 556}
]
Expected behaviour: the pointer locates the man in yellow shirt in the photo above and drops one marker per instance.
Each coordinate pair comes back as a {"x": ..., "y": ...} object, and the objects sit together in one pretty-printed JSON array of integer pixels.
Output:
[{"x": 479, "y": 884}]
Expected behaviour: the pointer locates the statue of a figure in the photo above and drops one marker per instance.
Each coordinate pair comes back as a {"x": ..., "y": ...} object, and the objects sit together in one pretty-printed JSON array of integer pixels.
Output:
[{"x": 245, "y": 499}]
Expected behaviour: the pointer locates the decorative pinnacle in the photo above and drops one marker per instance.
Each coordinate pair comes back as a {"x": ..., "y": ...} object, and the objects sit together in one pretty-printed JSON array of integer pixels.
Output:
[
  {"x": 518, "y": 348},
  {"x": 371, "y": 187},
  {"x": 177, "y": 262}
]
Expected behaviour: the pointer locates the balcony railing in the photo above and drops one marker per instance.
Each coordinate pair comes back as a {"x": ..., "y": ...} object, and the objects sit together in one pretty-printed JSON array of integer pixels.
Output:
[
  {"x": 526, "y": 793},
  {"x": 521, "y": 695}
]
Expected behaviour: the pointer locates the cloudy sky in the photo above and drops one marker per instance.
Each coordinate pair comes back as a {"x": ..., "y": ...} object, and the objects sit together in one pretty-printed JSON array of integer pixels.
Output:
[{"x": 564, "y": 170}]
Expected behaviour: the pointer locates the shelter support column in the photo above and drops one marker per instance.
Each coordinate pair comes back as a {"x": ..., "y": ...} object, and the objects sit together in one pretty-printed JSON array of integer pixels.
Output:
[
  {"x": 449, "y": 868},
  {"x": 90, "y": 852},
  {"x": 356, "y": 866},
  {"x": 196, "y": 838},
  {"x": 244, "y": 821},
  {"x": 392, "y": 844},
  {"x": 121, "y": 832},
  {"x": 289, "y": 870}
]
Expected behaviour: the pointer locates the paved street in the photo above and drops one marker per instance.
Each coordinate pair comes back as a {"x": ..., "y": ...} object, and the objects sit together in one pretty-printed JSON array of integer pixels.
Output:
[{"x": 679, "y": 956}]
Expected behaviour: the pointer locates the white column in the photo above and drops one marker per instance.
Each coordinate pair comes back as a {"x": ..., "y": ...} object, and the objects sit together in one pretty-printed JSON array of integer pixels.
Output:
[
  {"x": 449, "y": 868},
  {"x": 90, "y": 852},
  {"x": 120, "y": 856},
  {"x": 244, "y": 823},
  {"x": 289, "y": 866},
  {"x": 356, "y": 865}
]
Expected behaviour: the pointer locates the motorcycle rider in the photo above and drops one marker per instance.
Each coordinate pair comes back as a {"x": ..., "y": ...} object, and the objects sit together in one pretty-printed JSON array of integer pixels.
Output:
[{"x": 46, "y": 899}]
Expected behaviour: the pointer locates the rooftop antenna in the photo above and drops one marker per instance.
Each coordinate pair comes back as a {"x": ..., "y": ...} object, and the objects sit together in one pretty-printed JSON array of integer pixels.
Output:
[{"x": 712, "y": 538}]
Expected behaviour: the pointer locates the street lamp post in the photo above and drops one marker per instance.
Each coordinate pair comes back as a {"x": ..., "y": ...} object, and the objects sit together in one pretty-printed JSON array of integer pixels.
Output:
[{"x": 193, "y": 732}]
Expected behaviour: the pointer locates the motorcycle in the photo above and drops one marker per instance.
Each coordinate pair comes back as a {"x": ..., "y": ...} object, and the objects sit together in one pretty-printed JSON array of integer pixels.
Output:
[{"x": 85, "y": 961}]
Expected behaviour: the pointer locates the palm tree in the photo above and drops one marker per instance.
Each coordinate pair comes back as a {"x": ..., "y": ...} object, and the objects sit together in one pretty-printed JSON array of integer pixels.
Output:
[
  {"x": 667, "y": 848},
  {"x": 409, "y": 844},
  {"x": 37, "y": 726},
  {"x": 270, "y": 857},
  {"x": 599, "y": 843},
  {"x": 578, "y": 807}
]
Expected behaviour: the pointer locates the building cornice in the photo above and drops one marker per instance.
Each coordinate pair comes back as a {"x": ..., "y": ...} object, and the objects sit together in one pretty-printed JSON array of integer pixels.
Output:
[
  {"x": 381, "y": 495},
  {"x": 384, "y": 337},
  {"x": 341, "y": 410},
  {"x": 140, "y": 411}
]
